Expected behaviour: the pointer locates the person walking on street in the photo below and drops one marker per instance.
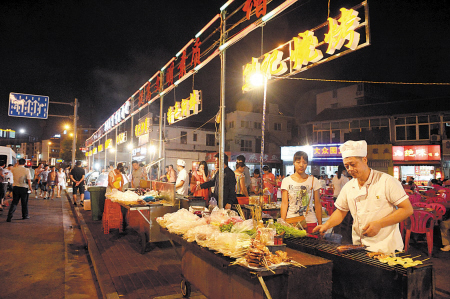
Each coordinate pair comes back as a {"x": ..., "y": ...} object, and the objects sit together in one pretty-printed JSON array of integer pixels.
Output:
[
  {"x": 61, "y": 181},
  {"x": 241, "y": 159},
  {"x": 77, "y": 177},
  {"x": 3, "y": 185},
  {"x": 21, "y": 190},
  {"x": 9, "y": 179},
  {"x": 43, "y": 177},
  {"x": 52, "y": 182},
  {"x": 36, "y": 180}
]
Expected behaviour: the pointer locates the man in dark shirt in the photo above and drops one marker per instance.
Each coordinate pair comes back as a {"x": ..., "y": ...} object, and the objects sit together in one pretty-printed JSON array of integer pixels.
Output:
[
  {"x": 77, "y": 177},
  {"x": 229, "y": 184}
]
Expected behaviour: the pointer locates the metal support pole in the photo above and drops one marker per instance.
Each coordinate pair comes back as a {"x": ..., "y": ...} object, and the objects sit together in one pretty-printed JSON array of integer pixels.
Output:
[
  {"x": 104, "y": 149},
  {"x": 162, "y": 123},
  {"x": 74, "y": 142},
  {"x": 263, "y": 128},
  {"x": 115, "y": 152},
  {"x": 222, "y": 110}
]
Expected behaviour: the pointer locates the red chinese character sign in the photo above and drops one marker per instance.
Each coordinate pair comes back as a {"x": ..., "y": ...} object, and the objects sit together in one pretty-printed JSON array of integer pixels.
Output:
[
  {"x": 416, "y": 153},
  {"x": 304, "y": 50}
]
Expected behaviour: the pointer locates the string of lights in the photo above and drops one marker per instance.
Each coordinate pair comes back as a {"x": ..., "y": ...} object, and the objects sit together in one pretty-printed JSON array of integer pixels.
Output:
[{"x": 364, "y": 81}]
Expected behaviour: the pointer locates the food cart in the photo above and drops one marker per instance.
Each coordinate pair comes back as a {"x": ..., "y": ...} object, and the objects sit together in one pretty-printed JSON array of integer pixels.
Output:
[
  {"x": 145, "y": 215},
  {"x": 215, "y": 276}
]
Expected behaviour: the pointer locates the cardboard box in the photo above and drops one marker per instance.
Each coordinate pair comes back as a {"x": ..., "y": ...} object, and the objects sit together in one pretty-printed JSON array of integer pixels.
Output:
[{"x": 87, "y": 204}]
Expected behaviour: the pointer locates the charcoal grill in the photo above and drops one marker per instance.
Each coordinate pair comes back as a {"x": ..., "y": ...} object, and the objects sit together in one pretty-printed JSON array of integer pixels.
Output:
[{"x": 355, "y": 275}]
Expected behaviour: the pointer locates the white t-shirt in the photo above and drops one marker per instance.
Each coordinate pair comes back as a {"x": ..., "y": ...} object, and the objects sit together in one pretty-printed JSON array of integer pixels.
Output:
[
  {"x": 373, "y": 201},
  {"x": 338, "y": 184},
  {"x": 299, "y": 194},
  {"x": 183, "y": 176}
]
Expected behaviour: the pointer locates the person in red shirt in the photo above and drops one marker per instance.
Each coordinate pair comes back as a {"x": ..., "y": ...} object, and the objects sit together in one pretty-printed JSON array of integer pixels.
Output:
[{"x": 269, "y": 180}]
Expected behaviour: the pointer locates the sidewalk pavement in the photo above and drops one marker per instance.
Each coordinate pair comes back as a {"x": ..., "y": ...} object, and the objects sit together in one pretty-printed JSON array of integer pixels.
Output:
[{"x": 44, "y": 256}]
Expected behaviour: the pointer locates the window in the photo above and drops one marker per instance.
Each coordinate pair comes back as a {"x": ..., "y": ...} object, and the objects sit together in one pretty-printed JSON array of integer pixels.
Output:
[
  {"x": 183, "y": 139},
  {"x": 335, "y": 136},
  {"x": 364, "y": 123},
  {"x": 246, "y": 146},
  {"x": 231, "y": 124},
  {"x": 400, "y": 121},
  {"x": 354, "y": 124},
  {"x": 375, "y": 122},
  {"x": 194, "y": 137},
  {"x": 400, "y": 133},
  {"x": 410, "y": 132},
  {"x": 245, "y": 124},
  {"x": 424, "y": 132},
  {"x": 277, "y": 126},
  {"x": 210, "y": 139},
  {"x": 257, "y": 125}
]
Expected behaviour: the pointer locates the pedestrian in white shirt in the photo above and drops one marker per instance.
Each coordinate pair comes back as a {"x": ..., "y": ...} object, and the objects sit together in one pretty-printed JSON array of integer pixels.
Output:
[
  {"x": 182, "y": 183},
  {"x": 375, "y": 199}
]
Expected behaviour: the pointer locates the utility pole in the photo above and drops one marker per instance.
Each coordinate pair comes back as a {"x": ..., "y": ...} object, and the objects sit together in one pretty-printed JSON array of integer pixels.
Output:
[{"x": 74, "y": 142}]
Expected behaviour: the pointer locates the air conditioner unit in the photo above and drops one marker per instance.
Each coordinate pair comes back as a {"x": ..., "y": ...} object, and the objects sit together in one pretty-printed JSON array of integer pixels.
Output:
[{"x": 435, "y": 137}]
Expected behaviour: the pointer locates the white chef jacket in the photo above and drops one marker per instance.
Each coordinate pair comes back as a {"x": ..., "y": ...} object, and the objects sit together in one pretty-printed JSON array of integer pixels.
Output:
[
  {"x": 183, "y": 176},
  {"x": 378, "y": 198}
]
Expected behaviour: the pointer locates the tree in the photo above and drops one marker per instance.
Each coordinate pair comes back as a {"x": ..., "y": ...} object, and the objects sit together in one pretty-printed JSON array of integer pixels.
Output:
[{"x": 66, "y": 150}]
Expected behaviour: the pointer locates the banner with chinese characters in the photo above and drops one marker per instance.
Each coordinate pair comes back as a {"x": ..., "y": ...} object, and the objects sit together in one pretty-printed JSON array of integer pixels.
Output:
[
  {"x": 94, "y": 150},
  {"x": 336, "y": 37},
  {"x": 185, "y": 108},
  {"x": 100, "y": 148},
  {"x": 416, "y": 153},
  {"x": 121, "y": 138},
  {"x": 328, "y": 151},
  {"x": 249, "y": 157},
  {"x": 142, "y": 127}
]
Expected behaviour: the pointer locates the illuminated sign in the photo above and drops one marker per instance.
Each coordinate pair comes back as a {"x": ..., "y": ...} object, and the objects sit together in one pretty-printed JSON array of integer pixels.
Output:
[
  {"x": 396, "y": 172},
  {"x": 142, "y": 127},
  {"x": 303, "y": 49},
  {"x": 121, "y": 138},
  {"x": 94, "y": 150},
  {"x": 185, "y": 108},
  {"x": 100, "y": 148},
  {"x": 416, "y": 153},
  {"x": 117, "y": 117},
  {"x": 287, "y": 152},
  {"x": 87, "y": 154},
  {"x": 328, "y": 151},
  {"x": 108, "y": 143},
  {"x": 90, "y": 153}
]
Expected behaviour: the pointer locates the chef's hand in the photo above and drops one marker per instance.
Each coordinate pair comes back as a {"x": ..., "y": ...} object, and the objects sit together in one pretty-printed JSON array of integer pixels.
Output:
[
  {"x": 320, "y": 228},
  {"x": 371, "y": 229}
]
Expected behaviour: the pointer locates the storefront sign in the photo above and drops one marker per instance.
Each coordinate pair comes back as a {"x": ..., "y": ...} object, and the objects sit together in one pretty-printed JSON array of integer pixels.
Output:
[
  {"x": 185, "y": 108},
  {"x": 89, "y": 153},
  {"x": 249, "y": 157},
  {"x": 108, "y": 143},
  {"x": 100, "y": 148},
  {"x": 94, "y": 150},
  {"x": 302, "y": 49},
  {"x": 416, "y": 153},
  {"x": 328, "y": 151},
  {"x": 117, "y": 117},
  {"x": 142, "y": 127},
  {"x": 121, "y": 138},
  {"x": 396, "y": 172}
]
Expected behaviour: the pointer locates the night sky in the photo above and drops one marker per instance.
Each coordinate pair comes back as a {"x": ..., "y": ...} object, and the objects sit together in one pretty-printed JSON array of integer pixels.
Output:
[{"x": 101, "y": 52}]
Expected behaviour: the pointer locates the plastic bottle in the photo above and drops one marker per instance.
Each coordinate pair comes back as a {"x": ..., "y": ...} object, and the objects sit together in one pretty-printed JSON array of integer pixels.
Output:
[{"x": 271, "y": 232}]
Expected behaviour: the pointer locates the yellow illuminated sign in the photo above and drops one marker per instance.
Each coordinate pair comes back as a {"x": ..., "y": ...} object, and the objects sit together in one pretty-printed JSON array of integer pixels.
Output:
[
  {"x": 185, "y": 108},
  {"x": 94, "y": 151},
  {"x": 141, "y": 128},
  {"x": 108, "y": 143},
  {"x": 302, "y": 48},
  {"x": 100, "y": 148},
  {"x": 121, "y": 138}
]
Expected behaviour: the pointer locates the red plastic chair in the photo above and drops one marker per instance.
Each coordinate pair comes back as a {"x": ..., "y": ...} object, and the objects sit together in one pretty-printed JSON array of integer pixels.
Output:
[
  {"x": 329, "y": 191},
  {"x": 421, "y": 222},
  {"x": 430, "y": 193},
  {"x": 415, "y": 198},
  {"x": 420, "y": 204},
  {"x": 436, "y": 199},
  {"x": 440, "y": 210}
]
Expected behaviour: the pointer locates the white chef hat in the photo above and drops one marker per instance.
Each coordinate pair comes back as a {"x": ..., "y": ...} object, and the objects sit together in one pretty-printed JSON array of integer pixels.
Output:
[
  {"x": 181, "y": 162},
  {"x": 354, "y": 149}
]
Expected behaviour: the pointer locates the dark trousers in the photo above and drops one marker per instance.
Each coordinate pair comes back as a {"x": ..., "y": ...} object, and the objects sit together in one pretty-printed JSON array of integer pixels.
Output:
[{"x": 19, "y": 193}]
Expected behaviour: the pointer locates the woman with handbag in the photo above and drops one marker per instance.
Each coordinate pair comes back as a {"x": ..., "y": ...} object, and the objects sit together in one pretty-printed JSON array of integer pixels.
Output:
[{"x": 300, "y": 200}]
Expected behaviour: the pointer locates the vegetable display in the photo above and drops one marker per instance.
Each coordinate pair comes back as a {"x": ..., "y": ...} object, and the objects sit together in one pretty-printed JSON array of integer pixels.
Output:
[{"x": 289, "y": 232}]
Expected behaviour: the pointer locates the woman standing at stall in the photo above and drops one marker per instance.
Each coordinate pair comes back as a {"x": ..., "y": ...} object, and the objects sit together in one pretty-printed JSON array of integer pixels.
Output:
[
  {"x": 240, "y": 179},
  {"x": 269, "y": 181},
  {"x": 201, "y": 176},
  {"x": 115, "y": 179},
  {"x": 300, "y": 195}
]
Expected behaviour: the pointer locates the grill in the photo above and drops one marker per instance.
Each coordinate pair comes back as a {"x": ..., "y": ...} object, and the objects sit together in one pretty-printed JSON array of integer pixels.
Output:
[{"x": 355, "y": 275}]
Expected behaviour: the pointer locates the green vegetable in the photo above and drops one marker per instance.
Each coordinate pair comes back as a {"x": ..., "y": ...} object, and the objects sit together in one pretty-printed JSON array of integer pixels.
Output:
[
  {"x": 251, "y": 233},
  {"x": 289, "y": 232},
  {"x": 226, "y": 227}
]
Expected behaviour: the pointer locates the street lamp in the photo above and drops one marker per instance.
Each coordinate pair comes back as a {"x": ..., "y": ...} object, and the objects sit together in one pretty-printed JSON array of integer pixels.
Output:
[{"x": 48, "y": 153}]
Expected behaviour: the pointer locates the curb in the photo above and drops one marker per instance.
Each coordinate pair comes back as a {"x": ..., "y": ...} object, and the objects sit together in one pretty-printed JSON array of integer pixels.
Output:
[{"x": 101, "y": 271}]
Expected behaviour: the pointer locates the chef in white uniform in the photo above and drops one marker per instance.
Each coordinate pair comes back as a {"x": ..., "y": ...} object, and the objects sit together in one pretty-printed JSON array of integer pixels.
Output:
[{"x": 375, "y": 199}]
